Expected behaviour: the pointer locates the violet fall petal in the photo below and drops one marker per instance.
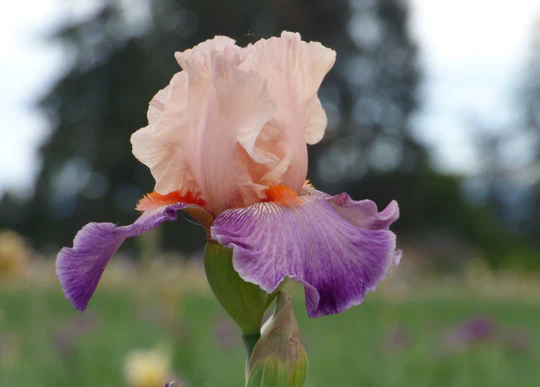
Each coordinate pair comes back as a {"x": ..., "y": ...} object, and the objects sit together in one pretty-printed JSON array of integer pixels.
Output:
[
  {"x": 79, "y": 268},
  {"x": 339, "y": 249}
]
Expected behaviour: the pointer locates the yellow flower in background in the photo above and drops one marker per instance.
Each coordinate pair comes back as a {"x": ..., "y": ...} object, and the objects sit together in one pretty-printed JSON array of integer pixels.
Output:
[
  {"x": 147, "y": 368},
  {"x": 15, "y": 255}
]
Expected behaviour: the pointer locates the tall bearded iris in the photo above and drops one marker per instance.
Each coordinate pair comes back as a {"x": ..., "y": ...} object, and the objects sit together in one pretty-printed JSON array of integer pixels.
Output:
[{"x": 226, "y": 143}]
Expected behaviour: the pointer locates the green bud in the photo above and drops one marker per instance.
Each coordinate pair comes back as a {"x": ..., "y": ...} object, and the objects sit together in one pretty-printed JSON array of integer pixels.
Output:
[
  {"x": 244, "y": 302},
  {"x": 279, "y": 359}
]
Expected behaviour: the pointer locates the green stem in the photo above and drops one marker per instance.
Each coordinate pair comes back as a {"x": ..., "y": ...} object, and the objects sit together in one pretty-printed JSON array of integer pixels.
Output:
[
  {"x": 249, "y": 342},
  {"x": 244, "y": 302}
]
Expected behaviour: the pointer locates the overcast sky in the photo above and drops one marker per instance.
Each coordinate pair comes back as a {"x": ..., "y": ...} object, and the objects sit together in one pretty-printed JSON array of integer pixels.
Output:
[
  {"x": 471, "y": 60},
  {"x": 473, "y": 53}
]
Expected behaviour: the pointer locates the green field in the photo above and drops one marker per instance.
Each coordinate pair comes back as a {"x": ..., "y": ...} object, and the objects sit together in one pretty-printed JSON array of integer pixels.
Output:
[{"x": 380, "y": 343}]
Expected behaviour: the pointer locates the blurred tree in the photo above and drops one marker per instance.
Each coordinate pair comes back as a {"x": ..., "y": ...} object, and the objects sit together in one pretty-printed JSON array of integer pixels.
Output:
[
  {"x": 123, "y": 53},
  {"x": 512, "y": 155},
  {"x": 370, "y": 99},
  {"x": 529, "y": 166},
  {"x": 507, "y": 186}
]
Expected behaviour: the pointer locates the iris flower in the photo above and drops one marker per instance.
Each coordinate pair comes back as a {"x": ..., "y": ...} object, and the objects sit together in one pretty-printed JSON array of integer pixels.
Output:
[{"x": 226, "y": 142}]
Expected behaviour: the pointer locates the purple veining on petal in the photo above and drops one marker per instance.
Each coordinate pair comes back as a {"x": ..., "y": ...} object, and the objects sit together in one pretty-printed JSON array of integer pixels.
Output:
[
  {"x": 337, "y": 261},
  {"x": 79, "y": 269}
]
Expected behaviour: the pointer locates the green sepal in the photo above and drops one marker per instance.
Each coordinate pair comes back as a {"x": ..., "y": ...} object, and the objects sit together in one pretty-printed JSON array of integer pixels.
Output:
[
  {"x": 279, "y": 359},
  {"x": 243, "y": 301}
]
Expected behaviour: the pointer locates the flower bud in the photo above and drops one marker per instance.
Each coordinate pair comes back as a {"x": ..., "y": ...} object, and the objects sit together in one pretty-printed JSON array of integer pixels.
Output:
[
  {"x": 279, "y": 359},
  {"x": 243, "y": 301}
]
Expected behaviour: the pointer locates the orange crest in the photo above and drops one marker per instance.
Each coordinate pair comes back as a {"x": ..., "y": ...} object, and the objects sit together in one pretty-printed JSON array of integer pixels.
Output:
[
  {"x": 282, "y": 195},
  {"x": 154, "y": 200}
]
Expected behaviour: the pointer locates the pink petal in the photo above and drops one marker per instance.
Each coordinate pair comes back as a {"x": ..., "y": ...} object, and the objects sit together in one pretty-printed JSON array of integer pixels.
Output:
[
  {"x": 164, "y": 145},
  {"x": 213, "y": 130},
  {"x": 157, "y": 105},
  {"x": 211, "y": 116},
  {"x": 294, "y": 70}
]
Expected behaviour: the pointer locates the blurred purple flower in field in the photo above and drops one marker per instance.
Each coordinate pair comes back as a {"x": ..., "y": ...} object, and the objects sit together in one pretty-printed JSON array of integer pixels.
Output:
[
  {"x": 477, "y": 330},
  {"x": 9, "y": 348},
  {"x": 397, "y": 338},
  {"x": 66, "y": 335},
  {"x": 181, "y": 331},
  {"x": 226, "y": 334},
  {"x": 516, "y": 340},
  {"x": 153, "y": 314},
  {"x": 471, "y": 331}
]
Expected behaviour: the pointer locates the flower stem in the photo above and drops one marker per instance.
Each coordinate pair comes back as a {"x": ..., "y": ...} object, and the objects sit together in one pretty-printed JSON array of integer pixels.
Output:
[
  {"x": 249, "y": 342},
  {"x": 244, "y": 302}
]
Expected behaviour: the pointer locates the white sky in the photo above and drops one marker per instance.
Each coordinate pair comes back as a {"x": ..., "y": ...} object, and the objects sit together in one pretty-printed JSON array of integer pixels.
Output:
[
  {"x": 472, "y": 52},
  {"x": 27, "y": 68}
]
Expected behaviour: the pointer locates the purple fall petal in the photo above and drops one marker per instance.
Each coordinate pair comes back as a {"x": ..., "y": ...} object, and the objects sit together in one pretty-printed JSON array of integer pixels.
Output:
[
  {"x": 363, "y": 213},
  {"x": 79, "y": 269},
  {"x": 319, "y": 243}
]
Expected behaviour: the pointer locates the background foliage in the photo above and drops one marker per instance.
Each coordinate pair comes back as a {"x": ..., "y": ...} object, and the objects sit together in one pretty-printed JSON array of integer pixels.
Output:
[{"x": 121, "y": 55}]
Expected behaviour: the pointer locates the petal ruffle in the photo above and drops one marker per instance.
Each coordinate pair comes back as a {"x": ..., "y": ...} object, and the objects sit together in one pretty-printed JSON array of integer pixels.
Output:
[
  {"x": 165, "y": 143},
  {"x": 79, "y": 268},
  {"x": 314, "y": 243},
  {"x": 363, "y": 213}
]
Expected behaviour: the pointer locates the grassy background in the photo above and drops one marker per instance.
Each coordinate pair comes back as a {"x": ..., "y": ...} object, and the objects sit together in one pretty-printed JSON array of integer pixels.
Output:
[{"x": 384, "y": 342}]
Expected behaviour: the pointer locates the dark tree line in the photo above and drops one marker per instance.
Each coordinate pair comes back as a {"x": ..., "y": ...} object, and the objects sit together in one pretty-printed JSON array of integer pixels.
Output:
[{"x": 529, "y": 103}]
